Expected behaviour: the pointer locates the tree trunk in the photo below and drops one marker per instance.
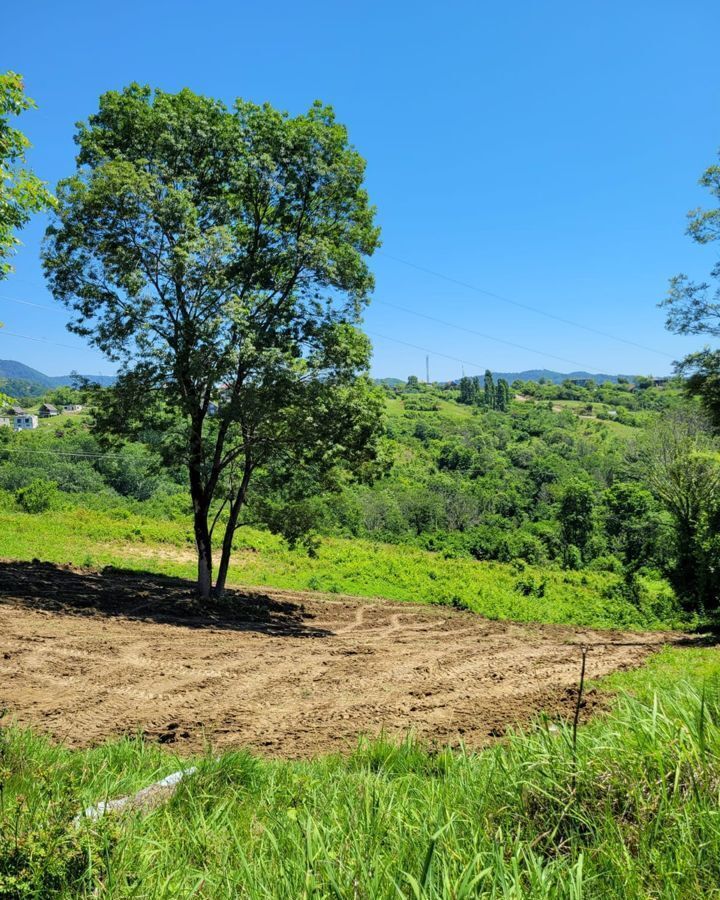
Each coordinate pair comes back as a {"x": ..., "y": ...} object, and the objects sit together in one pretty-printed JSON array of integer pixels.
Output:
[
  {"x": 227, "y": 549},
  {"x": 201, "y": 510},
  {"x": 225, "y": 558},
  {"x": 204, "y": 550},
  {"x": 235, "y": 508}
]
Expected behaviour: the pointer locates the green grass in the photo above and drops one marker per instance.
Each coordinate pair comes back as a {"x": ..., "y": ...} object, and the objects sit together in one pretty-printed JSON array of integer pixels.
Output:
[
  {"x": 59, "y": 421},
  {"x": 630, "y": 812},
  {"x": 519, "y": 592},
  {"x": 446, "y": 409}
]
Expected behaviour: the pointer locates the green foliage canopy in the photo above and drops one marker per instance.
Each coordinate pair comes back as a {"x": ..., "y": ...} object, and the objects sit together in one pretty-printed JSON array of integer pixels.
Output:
[
  {"x": 219, "y": 255},
  {"x": 694, "y": 307},
  {"x": 21, "y": 192}
]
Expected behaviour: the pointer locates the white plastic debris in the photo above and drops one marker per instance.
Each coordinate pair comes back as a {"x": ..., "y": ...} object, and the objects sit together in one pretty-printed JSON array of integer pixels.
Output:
[{"x": 144, "y": 796}]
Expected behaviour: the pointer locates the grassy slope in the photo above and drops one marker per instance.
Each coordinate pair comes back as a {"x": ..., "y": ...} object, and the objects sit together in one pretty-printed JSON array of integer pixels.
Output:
[
  {"x": 632, "y": 813},
  {"x": 447, "y": 409},
  {"x": 499, "y": 591}
]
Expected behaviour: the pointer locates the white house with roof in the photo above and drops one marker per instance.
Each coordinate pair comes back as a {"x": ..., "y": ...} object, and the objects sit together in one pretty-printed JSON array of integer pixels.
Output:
[{"x": 25, "y": 422}]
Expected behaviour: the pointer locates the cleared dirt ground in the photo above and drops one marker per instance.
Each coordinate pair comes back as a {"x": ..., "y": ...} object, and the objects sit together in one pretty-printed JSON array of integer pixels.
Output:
[{"x": 88, "y": 655}]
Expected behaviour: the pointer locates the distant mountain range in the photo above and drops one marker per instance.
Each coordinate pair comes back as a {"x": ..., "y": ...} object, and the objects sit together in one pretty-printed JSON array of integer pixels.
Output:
[
  {"x": 534, "y": 375},
  {"x": 17, "y": 379},
  {"x": 557, "y": 377}
]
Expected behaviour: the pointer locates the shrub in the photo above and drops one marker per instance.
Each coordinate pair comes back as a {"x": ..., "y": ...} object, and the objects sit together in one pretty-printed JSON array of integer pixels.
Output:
[
  {"x": 528, "y": 587},
  {"x": 572, "y": 557},
  {"x": 421, "y": 404},
  {"x": 38, "y": 496},
  {"x": 40, "y": 857}
]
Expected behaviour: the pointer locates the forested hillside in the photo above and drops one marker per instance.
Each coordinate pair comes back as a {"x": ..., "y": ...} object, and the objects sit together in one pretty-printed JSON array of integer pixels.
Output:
[
  {"x": 17, "y": 379},
  {"x": 565, "y": 476}
]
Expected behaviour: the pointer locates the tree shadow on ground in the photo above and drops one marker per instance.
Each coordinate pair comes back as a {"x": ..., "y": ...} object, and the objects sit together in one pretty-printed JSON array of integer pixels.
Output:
[{"x": 148, "y": 597}]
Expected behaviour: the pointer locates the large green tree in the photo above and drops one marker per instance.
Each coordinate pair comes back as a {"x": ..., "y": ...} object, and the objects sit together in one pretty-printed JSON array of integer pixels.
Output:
[
  {"x": 631, "y": 523},
  {"x": 694, "y": 307},
  {"x": 489, "y": 389},
  {"x": 682, "y": 468},
  {"x": 502, "y": 395},
  {"x": 576, "y": 517},
  {"x": 470, "y": 392},
  {"x": 219, "y": 256},
  {"x": 21, "y": 192}
]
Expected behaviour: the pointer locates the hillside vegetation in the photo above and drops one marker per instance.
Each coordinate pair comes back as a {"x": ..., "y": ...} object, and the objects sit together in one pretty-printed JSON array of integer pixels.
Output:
[{"x": 531, "y": 513}]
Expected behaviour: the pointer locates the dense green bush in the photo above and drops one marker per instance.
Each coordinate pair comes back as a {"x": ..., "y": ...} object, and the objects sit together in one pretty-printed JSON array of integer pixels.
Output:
[{"x": 38, "y": 496}]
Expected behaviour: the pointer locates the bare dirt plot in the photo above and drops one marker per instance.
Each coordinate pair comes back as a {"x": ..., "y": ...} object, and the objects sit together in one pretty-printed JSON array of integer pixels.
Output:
[{"x": 88, "y": 655}]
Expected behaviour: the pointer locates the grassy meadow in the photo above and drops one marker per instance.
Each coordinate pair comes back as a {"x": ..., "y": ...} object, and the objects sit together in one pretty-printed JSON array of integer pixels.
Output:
[{"x": 518, "y": 591}]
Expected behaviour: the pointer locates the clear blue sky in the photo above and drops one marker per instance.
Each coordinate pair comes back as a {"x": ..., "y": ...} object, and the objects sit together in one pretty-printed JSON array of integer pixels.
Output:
[{"x": 546, "y": 152}]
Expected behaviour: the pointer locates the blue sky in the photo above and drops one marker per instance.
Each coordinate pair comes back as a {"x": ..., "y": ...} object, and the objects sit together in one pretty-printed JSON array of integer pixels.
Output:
[{"x": 545, "y": 152}]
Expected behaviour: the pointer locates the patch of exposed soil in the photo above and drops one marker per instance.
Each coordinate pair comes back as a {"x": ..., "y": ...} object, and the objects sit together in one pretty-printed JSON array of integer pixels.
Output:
[{"x": 87, "y": 655}]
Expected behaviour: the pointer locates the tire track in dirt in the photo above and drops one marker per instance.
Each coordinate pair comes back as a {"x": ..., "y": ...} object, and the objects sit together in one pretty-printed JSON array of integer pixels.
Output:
[{"x": 85, "y": 656}]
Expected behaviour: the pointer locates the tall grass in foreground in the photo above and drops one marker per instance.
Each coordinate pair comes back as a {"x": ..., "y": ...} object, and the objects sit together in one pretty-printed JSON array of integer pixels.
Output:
[{"x": 633, "y": 812}]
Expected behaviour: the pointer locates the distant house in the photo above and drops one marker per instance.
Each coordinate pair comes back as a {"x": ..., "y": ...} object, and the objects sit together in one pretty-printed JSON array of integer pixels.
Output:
[
  {"x": 25, "y": 422},
  {"x": 660, "y": 382},
  {"x": 223, "y": 396},
  {"x": 15, "y": 411},
  {"x": 5, "y": 421},
  {"x": 73, "y": 407},
  {"x": 47, "y": 410}
]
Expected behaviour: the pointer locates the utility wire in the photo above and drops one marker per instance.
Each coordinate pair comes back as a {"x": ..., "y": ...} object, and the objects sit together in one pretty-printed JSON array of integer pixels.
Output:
[
  {"x": 27, "y": 337},
  {"x": 472, "y": 287},
  {"x": 465, "y": 362},
  {"x": 30, "y": 303},
  {"x": 386, "y": 337},
  {"x": 418, "y": 314},
  {"x": 489, "y": 337},
  {"x": 520, "y": 305}
]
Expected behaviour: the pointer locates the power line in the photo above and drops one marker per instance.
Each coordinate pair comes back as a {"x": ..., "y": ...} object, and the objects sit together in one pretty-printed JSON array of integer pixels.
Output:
[
  {"x": 477, "y": 289},
  {"x": 489, "y": 337},
  {"x": 397, "y": 306},
  {"x": 412, "y": 312},
  {"x": 81, "y": 453},
  {"x": 465, "y": 362},
  {"x": 30, "y": 303},
  {"x": 520, "y": 305},
  {"x": 27, "y": 337},
  {"x": 386, "y": 338},
  {"x": 472, "y": 287}
]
